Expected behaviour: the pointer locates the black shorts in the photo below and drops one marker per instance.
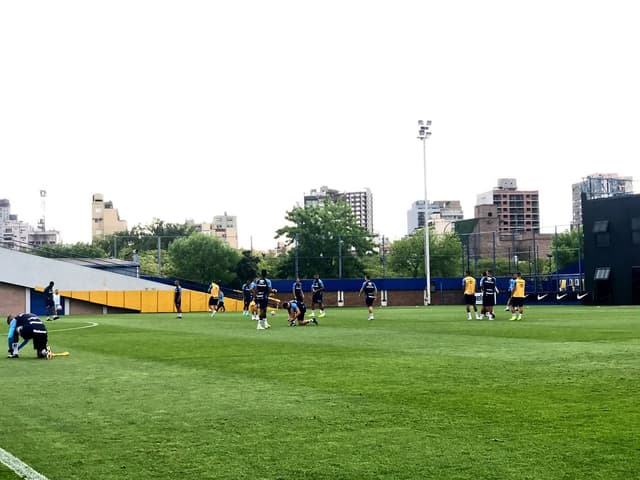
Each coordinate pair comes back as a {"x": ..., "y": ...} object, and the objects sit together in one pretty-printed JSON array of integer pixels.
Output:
[
  {"x": 40, "y": 338},
  {"x": 40, "y": 341},
  {"x": 488, "y": 300},
  {"x": 317, "y": 297},
  {"x": 469, "y": 299},
  {"x": 369, "y": 301},
  {"x": 213, "y": 301},
  {"x": 262, "y": 303},
  {"x": 517, "y": 302}
]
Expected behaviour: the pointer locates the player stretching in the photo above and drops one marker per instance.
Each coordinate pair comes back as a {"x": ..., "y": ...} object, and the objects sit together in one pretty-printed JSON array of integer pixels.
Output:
[
  {"x": 296, "y": 314},
  {"x": 28, "y": 326}
]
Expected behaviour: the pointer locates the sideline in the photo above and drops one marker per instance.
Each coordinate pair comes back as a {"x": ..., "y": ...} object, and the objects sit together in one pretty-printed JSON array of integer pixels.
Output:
[{"x": 19, "y": 467}]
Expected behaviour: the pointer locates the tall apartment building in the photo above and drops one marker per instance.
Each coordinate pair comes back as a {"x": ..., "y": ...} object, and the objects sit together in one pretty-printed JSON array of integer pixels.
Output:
[
  {"x": 597, "y": 185},
  {"x": 442, "y": 215},
  {"x": 105, "y": 219},
  {"x": 518, "y": 211},
  {"x": 224, "y": 227},
  {"x": 361, "y": 203}
]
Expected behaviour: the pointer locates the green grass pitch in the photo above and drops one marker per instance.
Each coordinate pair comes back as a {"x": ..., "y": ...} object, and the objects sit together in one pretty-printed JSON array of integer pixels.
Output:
[{"x": 417, "y": 393}]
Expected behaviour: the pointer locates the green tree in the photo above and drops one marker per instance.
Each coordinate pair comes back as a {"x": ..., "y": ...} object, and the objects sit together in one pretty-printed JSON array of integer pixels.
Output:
[
  {"x": 247, "y": 267},
  {"x": 77, "y": 250},
  {"x": 406, "y": 256},
  {"x": 325, "y": 239},
  {"x": 273, "y": 265},
  {"x": 566, "y": 248},
  {"x": 203, "y": 258},
  {"x": 143, "y": 238}
]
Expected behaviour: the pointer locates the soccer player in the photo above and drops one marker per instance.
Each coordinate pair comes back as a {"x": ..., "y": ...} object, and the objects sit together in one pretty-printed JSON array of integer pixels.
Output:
[
  {"x": 296, "y": 289},
  {"x": 296, "y": 313},
  {"x": 261, "y": 292},
  {"x": 370, "y": 292},
  {"x": 56, "y": 303},
  {"x": 253, "y": 309},
  {"x": 48, "y": 302},
  {"x": 512, "y": 283},
  {"x": 469, "y": 291},
  {"x": 177, "y": 298},
  {"x": 517, "y": 297},
  {"x": 247, "y": 296},
  {"x": 489, "y": 291},
  {"x": 214, "y": 290},
  {"x": 220, "y": 307},
  {"x": 317, "y": 287},
  {"x": 28, "y": 326}
]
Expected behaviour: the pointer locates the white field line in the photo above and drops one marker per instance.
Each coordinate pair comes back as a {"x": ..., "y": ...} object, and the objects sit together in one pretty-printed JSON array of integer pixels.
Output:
[
  {"x": 19, "y": 467},
  {"x": 90, "y": 325}
]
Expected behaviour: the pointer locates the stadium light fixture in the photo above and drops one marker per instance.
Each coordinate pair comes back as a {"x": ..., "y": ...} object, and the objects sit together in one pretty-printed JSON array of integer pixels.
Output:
[{"x": 423, "y": 135}]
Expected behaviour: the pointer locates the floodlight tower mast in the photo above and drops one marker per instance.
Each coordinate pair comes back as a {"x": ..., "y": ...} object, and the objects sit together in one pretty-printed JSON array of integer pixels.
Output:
[{"x": 43, "y": 207}]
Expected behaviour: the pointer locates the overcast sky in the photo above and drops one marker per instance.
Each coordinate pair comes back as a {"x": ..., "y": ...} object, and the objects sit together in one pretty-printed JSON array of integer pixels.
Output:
[{"x": 189, "y": 109}]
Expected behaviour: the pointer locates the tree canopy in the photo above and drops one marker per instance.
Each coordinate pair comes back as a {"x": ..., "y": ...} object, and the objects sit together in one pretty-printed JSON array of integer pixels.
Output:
[
  {"x": 326, "y": 240},
  {"x": 203, "y": 258}
]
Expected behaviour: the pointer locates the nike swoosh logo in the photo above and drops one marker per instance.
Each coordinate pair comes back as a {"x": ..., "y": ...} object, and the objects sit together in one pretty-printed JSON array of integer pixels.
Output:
[
  {"x": 540, "y": 297},
  {"x": 560, "y": 297},
  {"x": 580, "y": 297}
]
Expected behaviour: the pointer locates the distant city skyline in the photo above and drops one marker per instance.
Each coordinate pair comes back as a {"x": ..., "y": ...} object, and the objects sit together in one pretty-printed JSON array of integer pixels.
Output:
[
  {"x": 207, "y": 107},
  {"x": 415, "y": 208}
]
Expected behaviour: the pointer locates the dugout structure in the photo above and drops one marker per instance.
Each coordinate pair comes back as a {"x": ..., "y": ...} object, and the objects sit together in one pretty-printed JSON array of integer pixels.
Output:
[{"x": 612, "y": 249}]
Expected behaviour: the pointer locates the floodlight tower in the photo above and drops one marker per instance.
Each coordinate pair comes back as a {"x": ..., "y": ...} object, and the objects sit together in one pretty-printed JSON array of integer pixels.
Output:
[
  {"x": 423, "y": 135},
  {"x": 43, "y": 205}
]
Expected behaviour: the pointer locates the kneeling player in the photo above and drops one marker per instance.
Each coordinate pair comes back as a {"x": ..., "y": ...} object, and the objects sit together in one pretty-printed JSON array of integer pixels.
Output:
[{"x": 296, "y": 313}]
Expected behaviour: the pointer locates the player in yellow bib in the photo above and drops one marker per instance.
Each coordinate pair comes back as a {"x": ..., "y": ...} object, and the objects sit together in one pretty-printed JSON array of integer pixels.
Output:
[
  {"x": 214, "y": 290},
  {"x": 517, "y": 297},
  {"x": 469, "y": 291}
]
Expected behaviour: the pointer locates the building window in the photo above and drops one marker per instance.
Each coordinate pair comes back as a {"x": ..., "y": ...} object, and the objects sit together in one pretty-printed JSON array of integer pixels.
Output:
[
  {"x": 602, "y": 273},
  {"x": 601, "y": 226}
]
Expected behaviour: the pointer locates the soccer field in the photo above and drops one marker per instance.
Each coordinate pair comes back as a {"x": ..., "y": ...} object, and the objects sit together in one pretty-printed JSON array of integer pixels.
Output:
[{"x": 417, "y": 393}]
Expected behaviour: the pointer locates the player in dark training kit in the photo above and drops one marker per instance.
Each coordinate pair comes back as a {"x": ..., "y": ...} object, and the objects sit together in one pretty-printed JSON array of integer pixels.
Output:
[
  {"x": 296, "y": 289},
  {"x": 29, "y": 327},
  {"x": 247, "y": 296},
  {"x": 261, "y": 291},
  {"x": 317, "y": 287},
  {"x": 370, "y": 292},
  {"x": 489, "y": 291}
]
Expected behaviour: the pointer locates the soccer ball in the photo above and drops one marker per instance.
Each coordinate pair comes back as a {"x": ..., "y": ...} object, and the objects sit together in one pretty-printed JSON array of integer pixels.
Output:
[{"x": 273, "y": 312}]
